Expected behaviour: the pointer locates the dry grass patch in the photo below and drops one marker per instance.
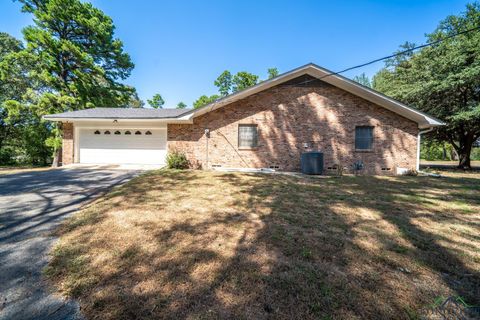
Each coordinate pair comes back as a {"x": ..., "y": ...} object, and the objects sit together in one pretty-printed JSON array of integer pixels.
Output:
[
  {"x": 203, "y": 245},
  {"x": 21, "y": 169}
]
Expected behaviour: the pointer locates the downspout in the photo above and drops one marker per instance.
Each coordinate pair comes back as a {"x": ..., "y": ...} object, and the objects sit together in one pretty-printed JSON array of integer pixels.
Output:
[
  {"x": 207, "y": 136},
  {"x": 419, "y": 137}
]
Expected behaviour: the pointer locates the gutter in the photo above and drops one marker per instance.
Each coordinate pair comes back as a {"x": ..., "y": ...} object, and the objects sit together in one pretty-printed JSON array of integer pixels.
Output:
[{"x": 419, "y": 137}]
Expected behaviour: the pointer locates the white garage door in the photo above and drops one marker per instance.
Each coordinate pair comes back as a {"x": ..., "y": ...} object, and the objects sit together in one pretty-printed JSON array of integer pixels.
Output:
[{"x": 123, "y": 146}]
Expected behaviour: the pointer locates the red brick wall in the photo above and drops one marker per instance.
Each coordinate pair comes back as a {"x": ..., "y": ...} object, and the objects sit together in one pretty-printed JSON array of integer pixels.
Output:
[
  {"x": 67, "y": 146},
  {"x": 290, "y": 115}
]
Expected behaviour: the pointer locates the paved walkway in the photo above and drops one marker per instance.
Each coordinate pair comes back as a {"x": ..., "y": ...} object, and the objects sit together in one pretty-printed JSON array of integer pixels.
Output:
[{"x": 32, "y": 204}]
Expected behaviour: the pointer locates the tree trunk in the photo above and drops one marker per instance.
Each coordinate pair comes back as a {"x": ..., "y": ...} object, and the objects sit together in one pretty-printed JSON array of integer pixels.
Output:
[
  {"x": 56, "y": 156},
  {"x": 464, "y": 151}
]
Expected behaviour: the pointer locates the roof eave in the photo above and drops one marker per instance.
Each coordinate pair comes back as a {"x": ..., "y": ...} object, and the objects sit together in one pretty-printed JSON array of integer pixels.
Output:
[
  {"x": 423, "y": 120},
  {"x": 103, "y": 119}
]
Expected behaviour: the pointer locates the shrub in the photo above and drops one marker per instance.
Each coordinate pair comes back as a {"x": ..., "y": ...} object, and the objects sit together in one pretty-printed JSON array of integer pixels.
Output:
[
  {"x": 177, "y": 160},
  {"x": 7, "y": 156}
]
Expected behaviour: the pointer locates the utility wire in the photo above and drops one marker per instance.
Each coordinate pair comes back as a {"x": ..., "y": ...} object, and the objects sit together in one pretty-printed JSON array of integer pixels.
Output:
[
  {"x": 402, "y": 52},
  {"x": 390, "y": 56}
]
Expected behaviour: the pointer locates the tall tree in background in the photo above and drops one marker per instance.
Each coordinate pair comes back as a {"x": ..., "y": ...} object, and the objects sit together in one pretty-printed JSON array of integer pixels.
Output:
[
  {"x": 8, "y": 89},
  {"x": 74, "y": 60},
  {"x": 272, "y": 73},
  {"x": 181, "y": 105},
  {"x": 363, "y": 80},
  {"x": 227, "y": 84},
  {"x": 243, "y": 80},
  {"x": 135, "y": 101},
  {"x": 204, "y": 100},
  {"x": 157, "y": 101},
  {"x": 443, "y": 80},
  {"x": 224, "y": 83}
]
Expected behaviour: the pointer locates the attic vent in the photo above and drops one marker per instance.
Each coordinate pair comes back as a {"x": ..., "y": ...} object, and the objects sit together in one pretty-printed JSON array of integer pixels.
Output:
[
  {"x": 128, "y": 132},
  {"x": 118, "y": 132},
  {"x": 97, "y": 132},
  {"x": 148, "y": 133},
  {"x": 106, "y": 132},
  {"x": 138, "y": 133}
]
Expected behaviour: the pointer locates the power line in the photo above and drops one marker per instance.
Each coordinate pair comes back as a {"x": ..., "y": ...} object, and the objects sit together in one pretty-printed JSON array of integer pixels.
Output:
[
  {"x": 402, "y": 52},
  {"x": 387, "y": 57},
  {"x": 393, "y": 55}
]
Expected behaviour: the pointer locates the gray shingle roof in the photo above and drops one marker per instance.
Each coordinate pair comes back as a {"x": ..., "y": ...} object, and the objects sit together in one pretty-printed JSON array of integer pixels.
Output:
[{"x": 120, "y": 113}]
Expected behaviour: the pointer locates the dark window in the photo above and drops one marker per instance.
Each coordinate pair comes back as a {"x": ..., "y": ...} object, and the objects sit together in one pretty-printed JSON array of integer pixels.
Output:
[
  {"x": 128, "y": 132},
  {"x": 118, "y": 132},
  {"x": 97, "y": 132},
  {"x": 106, "y": 132},
  {"x": 247, "y": 135},
  {"x": 138, "y": 133},
  {"x": 148, "y": 133},
  {"x": 363, "y": 138}
]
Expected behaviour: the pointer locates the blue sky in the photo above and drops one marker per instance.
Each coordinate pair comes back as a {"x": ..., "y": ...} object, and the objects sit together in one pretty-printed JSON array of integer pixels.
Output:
[{"x": 180, "y": 47}]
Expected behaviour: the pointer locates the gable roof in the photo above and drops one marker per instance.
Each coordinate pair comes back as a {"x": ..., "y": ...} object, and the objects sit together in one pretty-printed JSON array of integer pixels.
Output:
[
  {"x": 313, "y": 70},
  {"x": 119, "y": 113},
  {"x": 187, "y": 115}
]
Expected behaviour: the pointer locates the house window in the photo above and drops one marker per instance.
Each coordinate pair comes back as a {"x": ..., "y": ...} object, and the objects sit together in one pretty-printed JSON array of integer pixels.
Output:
[
  {"x": 97, "y": 132},
  {"x": 363, "y": 138},
  {"x": 118, "y": 132},
  {"x": 247, "y": 136},
  {"x": 138, "y": 133},
  {"x": 106, "y": 132},
  {"x": 148, "y": 133},
  {"x": 128, "y": 132}
]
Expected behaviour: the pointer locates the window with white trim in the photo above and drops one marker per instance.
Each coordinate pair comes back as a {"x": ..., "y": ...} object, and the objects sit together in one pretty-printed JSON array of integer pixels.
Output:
[
  {"x": 247, "y": 136},
  {"x": 363, "y": 138}
]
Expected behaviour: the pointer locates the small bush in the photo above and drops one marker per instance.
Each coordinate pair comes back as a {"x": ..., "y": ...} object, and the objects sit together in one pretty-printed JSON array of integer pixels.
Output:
[
  {"x": 7, "y": 156},
  {"x": 177, "y": 160}
]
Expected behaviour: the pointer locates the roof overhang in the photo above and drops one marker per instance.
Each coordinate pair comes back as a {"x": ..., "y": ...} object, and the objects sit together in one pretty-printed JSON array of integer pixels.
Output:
[
  {"x": 423, "y": 120},
  {"x": 79, "y": 120}
]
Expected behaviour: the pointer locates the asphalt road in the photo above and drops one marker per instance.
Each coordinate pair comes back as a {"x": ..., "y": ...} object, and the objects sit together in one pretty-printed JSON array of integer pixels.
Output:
[{"x": 32, "y": 205}]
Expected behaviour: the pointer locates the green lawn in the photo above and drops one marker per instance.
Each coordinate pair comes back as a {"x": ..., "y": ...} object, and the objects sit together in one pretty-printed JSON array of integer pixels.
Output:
[{"x": 210, "y": 245}]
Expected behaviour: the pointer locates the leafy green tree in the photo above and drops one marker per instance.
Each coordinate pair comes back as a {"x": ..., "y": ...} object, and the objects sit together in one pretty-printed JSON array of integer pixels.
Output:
[
  {"x": 157, "y": 101},
  {"x": 135, "y": 101},
  {"x": 272, "y": 73},
  {"x": 8, "y": 89},
  {"x": 22, "y": 131},
  {"x": 363, "y": 80},
  {"x": 74, "y": 55},
  {"x": 224, "y": 83},
  {"x": 181, "y": 105},
  {"x": 443, "y": 80},
  {"x": 243, "y": 80},
  {"x": 204, "y": 100}
]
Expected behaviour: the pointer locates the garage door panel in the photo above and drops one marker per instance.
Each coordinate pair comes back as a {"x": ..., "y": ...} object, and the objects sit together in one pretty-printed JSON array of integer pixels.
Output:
[{"x": 122, "y": 148}]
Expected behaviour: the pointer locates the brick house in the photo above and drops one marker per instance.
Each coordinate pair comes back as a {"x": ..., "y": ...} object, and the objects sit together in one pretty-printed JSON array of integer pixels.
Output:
[{"x": 265, "y": 126}]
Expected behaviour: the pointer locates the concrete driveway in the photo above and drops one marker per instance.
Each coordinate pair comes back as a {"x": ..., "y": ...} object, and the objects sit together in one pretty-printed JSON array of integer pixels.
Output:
[{"x": 32, "y": 205}]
